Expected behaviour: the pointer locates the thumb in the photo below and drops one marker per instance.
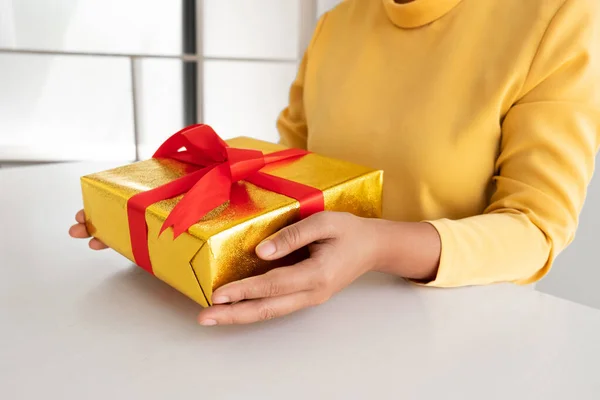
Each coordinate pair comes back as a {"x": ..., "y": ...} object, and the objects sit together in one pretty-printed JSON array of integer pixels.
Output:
[{"x": 294, "y": 237}]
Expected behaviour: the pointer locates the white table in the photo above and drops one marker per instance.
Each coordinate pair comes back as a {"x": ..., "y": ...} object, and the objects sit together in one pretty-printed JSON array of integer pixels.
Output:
[{"x": 75, "y": 324}]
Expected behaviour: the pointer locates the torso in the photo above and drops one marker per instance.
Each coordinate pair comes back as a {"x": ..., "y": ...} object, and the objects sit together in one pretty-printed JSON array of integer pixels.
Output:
[{"x": 426, "y": 105}]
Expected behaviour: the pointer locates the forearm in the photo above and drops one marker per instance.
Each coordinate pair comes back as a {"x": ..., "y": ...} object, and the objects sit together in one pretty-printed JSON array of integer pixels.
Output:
[{"x": 408, "y": 249}]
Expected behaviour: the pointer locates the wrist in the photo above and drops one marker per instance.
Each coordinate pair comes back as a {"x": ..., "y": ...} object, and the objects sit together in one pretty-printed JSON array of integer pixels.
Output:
[{"x": 408, "y": 249}]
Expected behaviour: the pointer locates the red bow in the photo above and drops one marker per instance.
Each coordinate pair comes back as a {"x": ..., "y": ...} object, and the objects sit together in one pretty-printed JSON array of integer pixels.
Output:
[{"x": 210, "y": 186}]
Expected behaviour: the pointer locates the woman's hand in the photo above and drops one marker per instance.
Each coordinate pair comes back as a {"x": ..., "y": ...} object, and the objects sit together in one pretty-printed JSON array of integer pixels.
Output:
[
  {"x": 79, "y": 231},
  {"x": 342, "y": 248}
]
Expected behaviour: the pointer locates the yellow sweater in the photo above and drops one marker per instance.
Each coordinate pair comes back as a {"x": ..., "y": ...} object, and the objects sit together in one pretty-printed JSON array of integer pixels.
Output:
[{"x": 483, "y": 114}]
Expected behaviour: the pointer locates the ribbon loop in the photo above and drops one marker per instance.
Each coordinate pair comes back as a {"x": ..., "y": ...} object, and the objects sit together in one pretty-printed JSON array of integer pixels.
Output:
[{"x": 203, "y": 141}]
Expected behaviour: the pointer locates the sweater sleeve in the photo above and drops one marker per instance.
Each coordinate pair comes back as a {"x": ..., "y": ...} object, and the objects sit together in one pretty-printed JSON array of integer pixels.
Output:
[
  {"x": 291, "y": 124},
  {"x": 550, "y": 137}
]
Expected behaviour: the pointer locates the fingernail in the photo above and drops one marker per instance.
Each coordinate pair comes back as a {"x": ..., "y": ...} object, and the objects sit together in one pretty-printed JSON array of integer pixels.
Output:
[
  {"x": 266, "y": 248},
  {"x": 221, "y": 300},
  {"x": 208, "y": 322}
]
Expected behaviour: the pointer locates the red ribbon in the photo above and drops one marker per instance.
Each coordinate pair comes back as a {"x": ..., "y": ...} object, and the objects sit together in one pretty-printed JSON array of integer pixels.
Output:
[{"x": 218, "y": 167}]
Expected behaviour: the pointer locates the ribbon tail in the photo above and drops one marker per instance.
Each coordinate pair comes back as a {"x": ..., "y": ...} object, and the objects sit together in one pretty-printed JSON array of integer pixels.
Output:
[
  {"x": 136, "y": 212},
  {"x": 212, "y": 190}
]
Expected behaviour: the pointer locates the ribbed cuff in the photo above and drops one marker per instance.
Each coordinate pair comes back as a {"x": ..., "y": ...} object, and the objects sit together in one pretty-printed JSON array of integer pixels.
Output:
[{"x": 446, "y": 274}]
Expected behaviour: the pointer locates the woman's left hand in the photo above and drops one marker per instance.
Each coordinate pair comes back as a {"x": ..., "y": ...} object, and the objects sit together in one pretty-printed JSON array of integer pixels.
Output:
[{"x": 342, "y": 248}]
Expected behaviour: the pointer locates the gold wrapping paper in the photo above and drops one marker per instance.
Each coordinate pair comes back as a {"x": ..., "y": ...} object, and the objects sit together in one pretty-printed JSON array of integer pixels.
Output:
[{"x": 220, "y": 248}]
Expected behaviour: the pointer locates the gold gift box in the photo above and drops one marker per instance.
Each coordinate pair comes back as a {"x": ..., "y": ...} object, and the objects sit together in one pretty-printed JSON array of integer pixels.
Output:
[{"x": 221, "y": 247}]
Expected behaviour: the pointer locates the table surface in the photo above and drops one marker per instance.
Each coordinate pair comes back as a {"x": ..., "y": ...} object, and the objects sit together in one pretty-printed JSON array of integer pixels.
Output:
[{"x": 76, "y": 324}]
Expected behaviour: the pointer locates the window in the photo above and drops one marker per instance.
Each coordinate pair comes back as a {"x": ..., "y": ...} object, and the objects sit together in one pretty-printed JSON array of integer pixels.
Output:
[{"x": 112, "y": 79}]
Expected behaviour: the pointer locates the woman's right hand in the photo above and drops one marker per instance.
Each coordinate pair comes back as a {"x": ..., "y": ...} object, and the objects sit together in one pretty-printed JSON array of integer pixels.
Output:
[{"x": 79, "y": 231}]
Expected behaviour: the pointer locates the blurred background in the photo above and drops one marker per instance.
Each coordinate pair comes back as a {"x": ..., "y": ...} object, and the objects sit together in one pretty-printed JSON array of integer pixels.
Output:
[
  {"x": 91, "y": 80},
  {"x": 111, "y": 79}
]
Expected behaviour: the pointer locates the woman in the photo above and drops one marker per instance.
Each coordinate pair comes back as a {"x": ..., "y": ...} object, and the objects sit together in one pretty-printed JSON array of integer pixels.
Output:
[{"x": 484, "y": 116}]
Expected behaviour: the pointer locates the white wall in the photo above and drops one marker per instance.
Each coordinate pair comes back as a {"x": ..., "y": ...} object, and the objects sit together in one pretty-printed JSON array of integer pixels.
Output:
[
  {"x": 53, "y": 107},
  {"x": 72, "y": 99},
  {"x": 61, "y": 104},
  {"x": 107, "y": 26},
  {"x": 576, "y": 273},
  {"x": 252, "y": 51},
  {"x": 268, "y": 29}
]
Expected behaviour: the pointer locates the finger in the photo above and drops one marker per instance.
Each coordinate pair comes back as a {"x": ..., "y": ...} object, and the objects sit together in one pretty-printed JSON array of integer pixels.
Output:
[
  {"x": 79, "y": 231},
  {"x": 277, "y": 282},
  {"x": 96, "y": 244},
  {"x": 251, "y": 311},
  {"x": 296, "y": 236},
  {"x": 80, "y": 217}
]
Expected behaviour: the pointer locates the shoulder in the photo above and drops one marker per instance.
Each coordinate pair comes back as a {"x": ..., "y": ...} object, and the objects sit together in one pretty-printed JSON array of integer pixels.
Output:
[
  {"x": 549, "y": 12},
  {"x": 528, "y": 24},
  {"x": 574, "y": 24}
]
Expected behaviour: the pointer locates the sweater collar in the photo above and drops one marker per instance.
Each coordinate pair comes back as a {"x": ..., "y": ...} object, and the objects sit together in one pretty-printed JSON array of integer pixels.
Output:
[{"x": 418, "y": 12}]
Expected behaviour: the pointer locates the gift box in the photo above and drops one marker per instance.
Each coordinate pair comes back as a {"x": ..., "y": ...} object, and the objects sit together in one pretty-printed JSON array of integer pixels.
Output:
[{"x": 194, "y": 213}]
